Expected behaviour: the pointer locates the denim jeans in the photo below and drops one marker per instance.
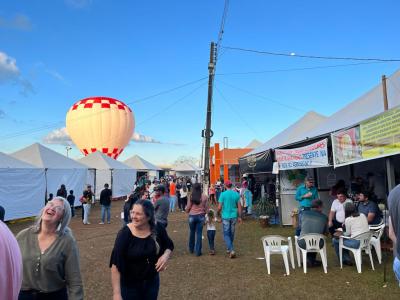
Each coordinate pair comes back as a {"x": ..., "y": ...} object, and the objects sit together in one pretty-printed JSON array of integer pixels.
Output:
[
  {"x": 196, "y": 223},
  {"x": 143, "y": 289},
  {"x": 348, "y": 243},
  {"x": 172, "y": 202},
  {"x": 104, "y": 209},
  {"x": 86, "y": 213},
  {"x": 228, "y": 227},
  {"x": 396, "y": 269},
  {"x": 211, "y": 237}
]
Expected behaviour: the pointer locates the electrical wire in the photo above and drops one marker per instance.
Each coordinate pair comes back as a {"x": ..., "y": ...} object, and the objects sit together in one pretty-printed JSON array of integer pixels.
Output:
[
  {"x": 221, "y": 28},
  {"x": 310, "y": 56},
  {"x": 171, "y": 105},
  {"x": 263, "y": 97},
  {"x": 298, "y": 69},
  {"x": 236, "y": 112},
  {"x": 58, "y": 123}
]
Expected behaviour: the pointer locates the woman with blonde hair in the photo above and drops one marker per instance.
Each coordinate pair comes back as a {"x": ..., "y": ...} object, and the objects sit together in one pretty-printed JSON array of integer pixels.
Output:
[{"x": 50, "y": 256}]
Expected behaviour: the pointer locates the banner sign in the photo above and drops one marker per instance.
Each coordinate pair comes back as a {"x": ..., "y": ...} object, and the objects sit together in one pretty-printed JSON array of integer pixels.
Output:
[
  {"x": 310, "y": 156},
  {"x": 374, "y": 138}
]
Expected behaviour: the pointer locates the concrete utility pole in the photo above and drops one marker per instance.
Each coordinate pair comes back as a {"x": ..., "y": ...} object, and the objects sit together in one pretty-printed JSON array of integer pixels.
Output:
[{"x": 207, "y": 133}]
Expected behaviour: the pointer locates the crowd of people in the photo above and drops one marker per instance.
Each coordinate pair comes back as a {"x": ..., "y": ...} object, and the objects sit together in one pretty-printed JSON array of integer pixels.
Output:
[{"x": 48, "y": 255}]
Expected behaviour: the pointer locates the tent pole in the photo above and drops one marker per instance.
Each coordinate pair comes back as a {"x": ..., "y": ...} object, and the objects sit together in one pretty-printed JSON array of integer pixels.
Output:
[{"x": 278, "y": 198}]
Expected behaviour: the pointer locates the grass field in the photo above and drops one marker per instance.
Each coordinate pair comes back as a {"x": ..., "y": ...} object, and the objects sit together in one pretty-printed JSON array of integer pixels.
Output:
[{"x": 218, "y": 277}]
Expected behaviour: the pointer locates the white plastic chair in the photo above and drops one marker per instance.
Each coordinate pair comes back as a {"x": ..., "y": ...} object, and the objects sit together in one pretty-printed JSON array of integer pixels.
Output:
[
  {"x": 312, "y": 241},
  {"x": 365, "y": 239},
  {"x": 272, "y": 244},
  {"x": 377, "y": 231}
]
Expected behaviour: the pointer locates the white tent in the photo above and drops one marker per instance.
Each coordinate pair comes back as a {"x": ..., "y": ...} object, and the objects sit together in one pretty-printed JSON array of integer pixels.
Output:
[
  {"x": 143, "y": 165},
  {"x": 59, "y": 169},
  {"x": 119, "y": 176},
  {"x": 295, "y": 132},
  {"x": 22, "y": 188},
  {"x": 185, "y": 169}
]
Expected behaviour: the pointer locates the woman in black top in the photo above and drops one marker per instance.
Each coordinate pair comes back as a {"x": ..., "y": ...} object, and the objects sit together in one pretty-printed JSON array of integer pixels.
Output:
[{"x": 141, "y": 251}]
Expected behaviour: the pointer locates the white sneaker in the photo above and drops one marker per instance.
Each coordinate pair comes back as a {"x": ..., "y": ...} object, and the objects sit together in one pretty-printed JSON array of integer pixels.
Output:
[{"x": 101, "y": 223}]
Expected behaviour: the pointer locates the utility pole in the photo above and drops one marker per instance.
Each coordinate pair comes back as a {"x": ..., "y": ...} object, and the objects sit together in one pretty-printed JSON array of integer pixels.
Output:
[
  {"x": 207, "y": 133},
  {"x": 385, "y": 99}
]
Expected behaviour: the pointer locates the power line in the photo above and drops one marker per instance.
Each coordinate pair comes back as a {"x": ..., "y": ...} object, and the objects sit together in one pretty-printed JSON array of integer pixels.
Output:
[
  {"x": 299, "y": 69},
  {"x": 263, "y": 97},
  {"x": 58, "y": 123},
  {"x": 171, "y": 105},
  {"x": 310, "y": 56},
  {"x": 222, "y": 26},
  {"x": 236, "y": 112}
]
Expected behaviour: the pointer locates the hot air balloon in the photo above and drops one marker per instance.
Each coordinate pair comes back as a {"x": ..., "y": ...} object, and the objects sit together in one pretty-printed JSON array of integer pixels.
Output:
[{"x": 100, "y": 124}]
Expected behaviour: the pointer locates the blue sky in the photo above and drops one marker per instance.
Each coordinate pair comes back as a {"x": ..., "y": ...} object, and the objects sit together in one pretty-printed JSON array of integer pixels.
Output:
[{"x": 55, "y": 52}]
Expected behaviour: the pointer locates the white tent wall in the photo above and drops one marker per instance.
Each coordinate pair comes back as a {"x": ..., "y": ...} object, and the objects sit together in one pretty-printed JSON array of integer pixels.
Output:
[
  {"x": 123, "y": 181},
  {"x": 22, "y": 192},
  {"x": 73, "y": 179},
  {"x": 102, "y": 177}
]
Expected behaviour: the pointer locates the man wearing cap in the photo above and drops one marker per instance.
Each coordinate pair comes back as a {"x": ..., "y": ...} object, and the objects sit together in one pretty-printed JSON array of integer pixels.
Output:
[
  {"x": 229, "y": 205},
  {"x": 161, "y": 206},
  {"x": 305, "y": 194},
  {"x": 86, "y": 203}
]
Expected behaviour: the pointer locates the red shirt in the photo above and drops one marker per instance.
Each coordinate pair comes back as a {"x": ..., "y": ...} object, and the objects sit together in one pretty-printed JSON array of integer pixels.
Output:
[{"x": 172, "y": 189}]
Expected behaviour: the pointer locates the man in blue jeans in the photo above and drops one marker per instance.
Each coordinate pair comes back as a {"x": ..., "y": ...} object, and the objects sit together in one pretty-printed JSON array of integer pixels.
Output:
[
  {"x": 305, "y": 194},
  {"x": 394, "y": 227},
  {"x": 105, "y": 202},
  {"x": 229, "y": 205}
]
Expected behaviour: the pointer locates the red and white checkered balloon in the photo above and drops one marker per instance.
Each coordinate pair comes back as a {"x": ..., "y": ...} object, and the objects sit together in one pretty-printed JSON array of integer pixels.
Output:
[{"x": 100, "y": 124}]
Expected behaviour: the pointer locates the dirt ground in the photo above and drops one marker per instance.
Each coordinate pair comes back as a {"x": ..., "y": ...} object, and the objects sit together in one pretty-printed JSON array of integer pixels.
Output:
[{"x": 207, "y": 277}]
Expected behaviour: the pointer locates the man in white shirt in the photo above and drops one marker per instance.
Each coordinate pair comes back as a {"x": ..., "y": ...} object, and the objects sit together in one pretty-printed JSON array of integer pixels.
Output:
[{"x": 336, "y": 215}]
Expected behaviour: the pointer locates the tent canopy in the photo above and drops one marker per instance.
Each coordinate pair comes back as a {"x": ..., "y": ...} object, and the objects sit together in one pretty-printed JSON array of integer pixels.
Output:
[
  {"x": 141, "y": 164},
  {"x": 7, "y": 161},
  {"x": 22, "y": 188},
  {"x": 109, "y": 170},
  {"x": 98, "y": 160},
  {"x": 368, "y": 105},
  {"x": 295, "y": 132},
  {"x": 43, "y": 157},
  {"x": 185, "y": 167}
]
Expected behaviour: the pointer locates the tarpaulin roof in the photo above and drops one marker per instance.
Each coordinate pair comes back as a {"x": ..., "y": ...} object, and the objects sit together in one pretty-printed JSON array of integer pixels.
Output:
[
  {"x": 43, "y": 157},
  {"x": 295, "y": 132},
  {"x": 98, "y": 160},
  {"x": 7, "y": 161},
  {"x": 141, "y": 164}
]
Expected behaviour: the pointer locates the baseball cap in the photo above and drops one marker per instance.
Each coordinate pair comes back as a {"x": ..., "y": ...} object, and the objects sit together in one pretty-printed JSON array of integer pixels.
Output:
[
  {"x": 228, "y": 183},
  {"x": 310, "y": 178}
]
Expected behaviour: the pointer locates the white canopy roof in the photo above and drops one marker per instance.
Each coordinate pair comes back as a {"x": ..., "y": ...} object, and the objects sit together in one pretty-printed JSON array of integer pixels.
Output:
[
  {"x": 141, "y": 164},
  {"x": 98, "y": 160},
  {"x": 43, "y": 157},
  {"x": 295, "y": 132},
  {"x": 7, "y": 161},
  {"x": 363, "y": 108},
  {"x": 185, "y": 167}
]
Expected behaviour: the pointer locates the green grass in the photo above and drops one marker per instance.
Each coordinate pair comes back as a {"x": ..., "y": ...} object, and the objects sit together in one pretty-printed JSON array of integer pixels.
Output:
[{"x": 208, "y": 277}]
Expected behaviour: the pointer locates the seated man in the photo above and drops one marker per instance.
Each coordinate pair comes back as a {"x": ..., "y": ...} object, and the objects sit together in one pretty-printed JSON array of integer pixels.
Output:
[
  {"x": 369, "y": 208},
  {"x": 313, "y": 221},
  {"x": 336, "y": 215}
]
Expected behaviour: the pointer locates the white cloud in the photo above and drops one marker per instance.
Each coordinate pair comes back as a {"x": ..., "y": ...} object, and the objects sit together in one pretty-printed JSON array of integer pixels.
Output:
[
  {"x": 78, "y": 4},
  {"x": 9, "y": 73},
  {"x": 58, "y": 137},
  {"x": 19, "y": 22},
  {"x": 140, "y": 138},
  {"x": 61, "y": 137}
]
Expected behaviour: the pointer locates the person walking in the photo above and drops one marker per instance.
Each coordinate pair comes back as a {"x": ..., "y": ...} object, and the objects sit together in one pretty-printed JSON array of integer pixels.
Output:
[
  {"x": 141, "y": 251},
  {"x": 62, "y": 192},
  {"x": 211, "y": 192},
  {"x": 50, "y": 256},
  {"x": 86, "y": 200},
  {"x": 161, "y": 206},
  {"x": 230, "y": 209},
  {"x": 71, "y": 201},
  {"x": 211, "y": 220},
  {"x": 394, "y": 228},
  {"x": 184, "y": 197},
  {"x": 172, "y": 195},
  {"x": 196, "y": 208},
  {"x": 105, "y": 202}
]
